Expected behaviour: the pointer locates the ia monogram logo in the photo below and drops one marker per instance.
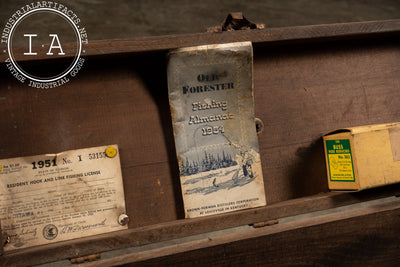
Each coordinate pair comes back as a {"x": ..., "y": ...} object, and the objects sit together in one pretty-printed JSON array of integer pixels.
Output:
[
  {"x": 27, "y": 44},
  {"x": 55, "y": 38}
]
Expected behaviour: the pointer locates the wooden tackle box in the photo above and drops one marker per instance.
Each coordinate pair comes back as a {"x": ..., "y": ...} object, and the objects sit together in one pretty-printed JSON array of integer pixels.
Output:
[{"x": 308, "y": 81}]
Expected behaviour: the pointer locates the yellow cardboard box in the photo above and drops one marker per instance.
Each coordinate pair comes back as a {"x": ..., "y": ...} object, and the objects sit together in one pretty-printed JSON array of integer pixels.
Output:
[{"x": 363, "y": 157}]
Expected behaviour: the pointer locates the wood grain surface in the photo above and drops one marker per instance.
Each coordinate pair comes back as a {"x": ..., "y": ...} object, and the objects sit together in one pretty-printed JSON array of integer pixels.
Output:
[
  {"x": 339, "y": 240},
  {"x": 310, "y": 33},
  {"x": 137, "y": 237}
]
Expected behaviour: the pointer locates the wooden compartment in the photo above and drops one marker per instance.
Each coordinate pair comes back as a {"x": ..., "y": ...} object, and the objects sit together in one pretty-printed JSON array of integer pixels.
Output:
[{"x": 308, "y": 81}]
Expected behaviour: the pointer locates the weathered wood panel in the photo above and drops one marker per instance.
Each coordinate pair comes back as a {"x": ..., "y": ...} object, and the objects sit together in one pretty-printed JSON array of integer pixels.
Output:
[
  {"x": 301, "y": 92},
  {"x": 309, "y": 33},
  {"x": 367, "y": 240},
  {"x": 306, "y": 83},
  {"x": 176, "y": 229}
]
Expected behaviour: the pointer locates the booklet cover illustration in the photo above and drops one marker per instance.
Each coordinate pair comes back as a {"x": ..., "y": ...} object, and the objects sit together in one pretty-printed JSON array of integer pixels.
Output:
[{"x": 211, "y": 100}]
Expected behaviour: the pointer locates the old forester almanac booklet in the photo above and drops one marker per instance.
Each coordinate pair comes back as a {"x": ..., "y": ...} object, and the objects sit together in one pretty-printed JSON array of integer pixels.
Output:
[{"x": 211, "y": 99}]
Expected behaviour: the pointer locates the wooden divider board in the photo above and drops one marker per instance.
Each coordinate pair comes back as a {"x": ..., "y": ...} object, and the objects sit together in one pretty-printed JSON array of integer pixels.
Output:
[{"x": 307, "y": 81}]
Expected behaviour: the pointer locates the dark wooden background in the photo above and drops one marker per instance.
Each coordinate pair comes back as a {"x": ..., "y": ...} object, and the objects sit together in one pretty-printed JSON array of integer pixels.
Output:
[
  {"x": 307, "y": 82},
  {"x": 302, "y": 90}
]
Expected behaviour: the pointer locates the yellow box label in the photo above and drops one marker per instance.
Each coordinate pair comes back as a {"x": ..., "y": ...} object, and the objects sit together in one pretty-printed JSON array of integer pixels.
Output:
[{"x": 340, "y": 160}]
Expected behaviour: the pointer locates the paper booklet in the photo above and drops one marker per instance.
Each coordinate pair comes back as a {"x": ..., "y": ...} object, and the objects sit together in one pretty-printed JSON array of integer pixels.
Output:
[{"x": 211, "y": 100}]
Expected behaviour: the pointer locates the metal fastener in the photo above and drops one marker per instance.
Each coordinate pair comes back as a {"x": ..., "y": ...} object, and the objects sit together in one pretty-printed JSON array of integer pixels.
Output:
[
  {"x": 123, "y": 219},
  {"x": 259, "y": 125}
]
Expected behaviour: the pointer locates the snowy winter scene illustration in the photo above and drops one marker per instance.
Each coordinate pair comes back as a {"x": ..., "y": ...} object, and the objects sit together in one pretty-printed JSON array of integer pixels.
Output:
[{"x": 206, "y": 172}]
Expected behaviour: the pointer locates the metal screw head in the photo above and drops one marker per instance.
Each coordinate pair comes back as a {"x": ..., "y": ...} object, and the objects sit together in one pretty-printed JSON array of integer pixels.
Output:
[{"x": 123, "y": 219}]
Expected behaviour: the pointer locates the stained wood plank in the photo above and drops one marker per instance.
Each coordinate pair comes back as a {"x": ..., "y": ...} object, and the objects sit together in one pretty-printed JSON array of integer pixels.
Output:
[
  {"x": 181, "y": 228},
  {"x": 269, "y": 35},
  {"x": 368, "y": 235},
  {"x": 370, "y": 240},
  {"x": 302, "y": 90}
]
